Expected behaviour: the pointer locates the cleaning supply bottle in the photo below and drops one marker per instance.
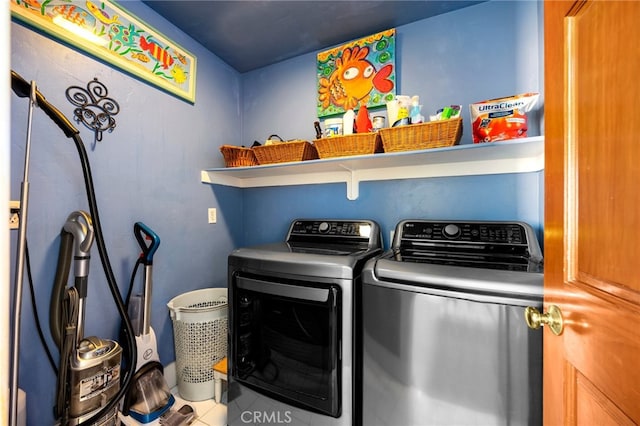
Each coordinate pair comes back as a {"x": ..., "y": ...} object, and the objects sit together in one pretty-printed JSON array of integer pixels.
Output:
[
  {"x": 414, "y": 115},
  {"x": 363, "y": 122},
  {"x": 347, "y": 122}
]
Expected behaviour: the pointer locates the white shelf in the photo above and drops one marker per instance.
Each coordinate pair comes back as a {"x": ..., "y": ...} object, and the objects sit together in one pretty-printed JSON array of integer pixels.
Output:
[{"x": 515, "y": 156}]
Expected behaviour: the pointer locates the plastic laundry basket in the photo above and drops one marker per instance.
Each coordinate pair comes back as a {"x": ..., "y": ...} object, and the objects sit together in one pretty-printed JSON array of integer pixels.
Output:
[{"x": 200, "y": 336}]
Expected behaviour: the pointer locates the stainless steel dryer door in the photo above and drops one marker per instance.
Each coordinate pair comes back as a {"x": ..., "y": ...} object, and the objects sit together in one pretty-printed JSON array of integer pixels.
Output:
[
  {"x": 437, "y": 360},
  {"x": 286, "y": 340}
]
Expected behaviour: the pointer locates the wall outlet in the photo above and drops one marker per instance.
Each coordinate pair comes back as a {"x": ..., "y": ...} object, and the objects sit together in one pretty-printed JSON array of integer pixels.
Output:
[
  {"x": 14, "y": 217},
  {"x": 213, "y": 216}
]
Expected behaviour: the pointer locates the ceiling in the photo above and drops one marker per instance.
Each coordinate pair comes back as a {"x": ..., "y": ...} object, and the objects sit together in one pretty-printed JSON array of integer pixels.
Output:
[{"x": 250, "y": 34}]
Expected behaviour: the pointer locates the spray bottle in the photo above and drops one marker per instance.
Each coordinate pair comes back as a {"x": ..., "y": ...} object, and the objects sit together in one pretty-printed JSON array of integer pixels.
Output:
[{"x": 414, "y": 115}]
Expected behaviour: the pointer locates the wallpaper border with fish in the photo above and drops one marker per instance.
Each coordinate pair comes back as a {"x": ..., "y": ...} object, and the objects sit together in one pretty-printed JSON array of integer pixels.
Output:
[
  {"x": 361, "y": 72},
  {"x": 126, "y": 42}
]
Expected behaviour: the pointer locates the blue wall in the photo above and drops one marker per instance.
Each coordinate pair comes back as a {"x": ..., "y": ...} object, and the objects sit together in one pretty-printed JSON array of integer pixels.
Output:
[
  {"x": 485, "y": 51},
  {"x": 489, "y": 50},
  {"x": 148, "y": 168},
  {"x": 269, "y": 211}
]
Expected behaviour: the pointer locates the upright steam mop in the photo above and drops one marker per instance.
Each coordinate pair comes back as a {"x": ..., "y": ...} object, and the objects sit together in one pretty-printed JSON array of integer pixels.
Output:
[{"x": 149, "y": 396}]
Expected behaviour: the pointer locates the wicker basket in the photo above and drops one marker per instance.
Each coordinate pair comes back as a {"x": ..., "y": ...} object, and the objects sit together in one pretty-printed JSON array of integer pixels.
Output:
[
  {"x": 238, "y": 156},
  {"x": 297, "y": 150},
  {"x": 435, "y": 134},
  {"x": 355, "y": 144}
]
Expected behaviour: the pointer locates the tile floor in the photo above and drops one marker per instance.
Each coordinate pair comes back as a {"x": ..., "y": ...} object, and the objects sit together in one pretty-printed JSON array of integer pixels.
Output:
[{"x": 209, "y": 412}]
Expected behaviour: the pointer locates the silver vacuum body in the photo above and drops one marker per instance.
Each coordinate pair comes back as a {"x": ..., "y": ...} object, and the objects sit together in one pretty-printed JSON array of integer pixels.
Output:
[{"x": 94, "y": 380}]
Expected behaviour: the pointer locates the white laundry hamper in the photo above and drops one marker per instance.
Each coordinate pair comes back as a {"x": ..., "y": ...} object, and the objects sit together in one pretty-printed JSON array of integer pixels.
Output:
[{"x": 200, "y": 337}]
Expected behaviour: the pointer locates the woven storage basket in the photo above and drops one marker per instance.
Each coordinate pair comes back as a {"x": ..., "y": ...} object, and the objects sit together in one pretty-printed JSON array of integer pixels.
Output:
[
  {"x": 297, "y": 150},
  {"x": 237, "y": 156},
  {"x": 355, "y": 144},
  {"x": 434, "y": 134}
]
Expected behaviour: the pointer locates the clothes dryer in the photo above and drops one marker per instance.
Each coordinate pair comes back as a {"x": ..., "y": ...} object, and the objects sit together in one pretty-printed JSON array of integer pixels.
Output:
[{"x": 292, "y": 324}]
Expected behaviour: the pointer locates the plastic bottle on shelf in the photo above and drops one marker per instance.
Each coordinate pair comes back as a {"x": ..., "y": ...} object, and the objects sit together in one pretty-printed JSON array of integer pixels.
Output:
[
  {"x": 415, "y": 116},
  {"x": 363, "y": 122},
  {"x": 347, "y": 122}
]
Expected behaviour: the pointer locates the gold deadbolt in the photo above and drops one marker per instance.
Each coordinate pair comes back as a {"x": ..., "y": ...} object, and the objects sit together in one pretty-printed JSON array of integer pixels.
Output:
[{"x": 553, "y": 318}]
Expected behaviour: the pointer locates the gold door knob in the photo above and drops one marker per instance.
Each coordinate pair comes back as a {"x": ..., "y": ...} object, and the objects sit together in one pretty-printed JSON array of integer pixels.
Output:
[{"x": 553, "y": 318}]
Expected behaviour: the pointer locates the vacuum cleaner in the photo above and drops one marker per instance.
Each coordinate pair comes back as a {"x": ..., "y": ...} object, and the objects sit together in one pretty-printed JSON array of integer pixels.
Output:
[
  {"x": 148, "y": 396},
  {"x": 89, "y": 371},
  {"x": 91, "y": 381}
]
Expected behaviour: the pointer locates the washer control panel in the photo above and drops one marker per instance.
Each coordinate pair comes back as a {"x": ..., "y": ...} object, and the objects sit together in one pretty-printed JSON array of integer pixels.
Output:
[
  {"x": 480, "y": 244},
  {"x": 475, "y": 232}
]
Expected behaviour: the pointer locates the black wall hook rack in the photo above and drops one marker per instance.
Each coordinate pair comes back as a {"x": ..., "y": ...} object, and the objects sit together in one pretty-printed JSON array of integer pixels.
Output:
[{"x": 94, "y": 108}]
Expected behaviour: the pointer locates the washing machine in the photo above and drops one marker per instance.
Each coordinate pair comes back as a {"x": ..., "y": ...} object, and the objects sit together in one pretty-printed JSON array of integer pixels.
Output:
[
  {"x": 292, "y": 310},
  {"x": 444, "y": 336}
]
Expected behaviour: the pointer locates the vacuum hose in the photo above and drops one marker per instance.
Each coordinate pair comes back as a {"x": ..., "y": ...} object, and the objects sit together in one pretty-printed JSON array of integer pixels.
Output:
[
  {"x": 79, "y": 229},
  {"x": 60, "y": 285},
  {"x": 19, "y": 86}
]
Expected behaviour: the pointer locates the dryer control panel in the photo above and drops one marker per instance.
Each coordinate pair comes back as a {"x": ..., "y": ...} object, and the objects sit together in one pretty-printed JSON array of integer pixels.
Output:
[{"x": 347, "y": 231}]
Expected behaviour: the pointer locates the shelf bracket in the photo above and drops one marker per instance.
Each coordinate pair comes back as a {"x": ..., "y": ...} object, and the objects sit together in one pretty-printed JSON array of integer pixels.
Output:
[{"x": 352, "y": 182}]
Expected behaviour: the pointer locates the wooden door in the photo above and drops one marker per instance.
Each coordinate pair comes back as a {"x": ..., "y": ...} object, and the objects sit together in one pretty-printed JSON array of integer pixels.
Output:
[{"x": 592, "y": 205}]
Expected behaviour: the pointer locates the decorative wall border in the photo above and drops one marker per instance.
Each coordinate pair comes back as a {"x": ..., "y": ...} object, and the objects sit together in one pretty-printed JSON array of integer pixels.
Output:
[{"x": 108, "y": 32}]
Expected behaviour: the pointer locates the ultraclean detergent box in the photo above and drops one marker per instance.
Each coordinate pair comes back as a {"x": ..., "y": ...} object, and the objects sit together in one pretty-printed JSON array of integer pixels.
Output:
[{"x": 501, "y": 118}]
